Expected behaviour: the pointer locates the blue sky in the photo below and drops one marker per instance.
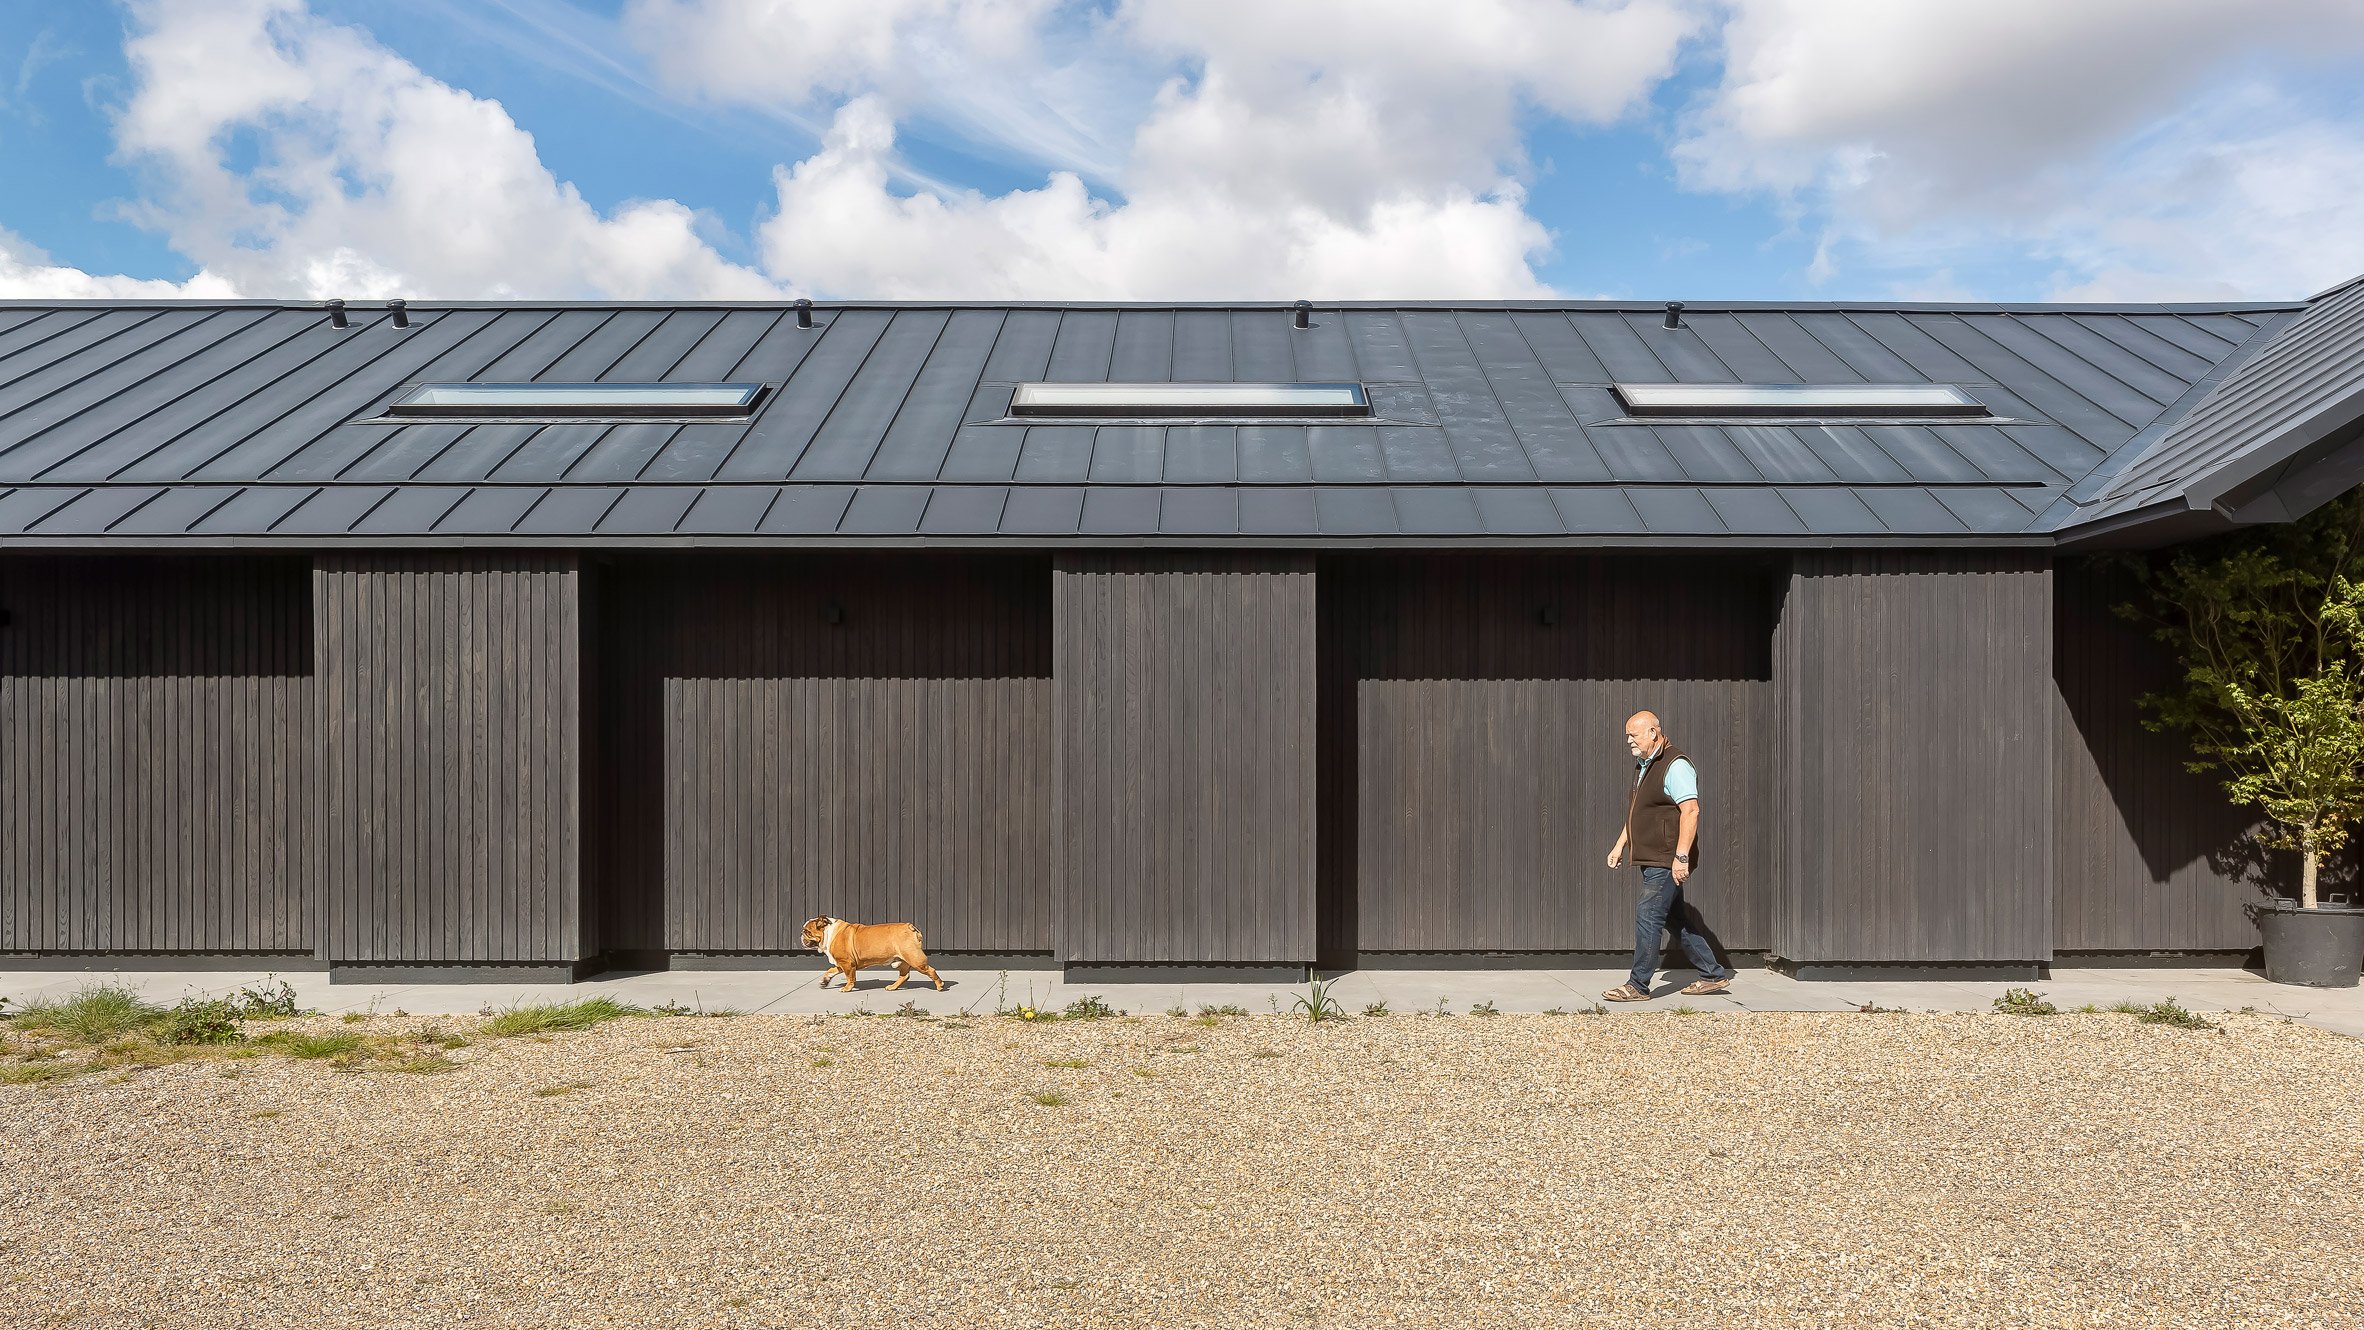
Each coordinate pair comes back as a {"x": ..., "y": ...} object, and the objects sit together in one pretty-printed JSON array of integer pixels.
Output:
[{"x": 1189, "y": 149}]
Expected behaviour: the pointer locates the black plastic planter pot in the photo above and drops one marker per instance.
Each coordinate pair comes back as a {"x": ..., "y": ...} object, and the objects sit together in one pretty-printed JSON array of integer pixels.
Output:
[{"x": 2321, "y": 948}]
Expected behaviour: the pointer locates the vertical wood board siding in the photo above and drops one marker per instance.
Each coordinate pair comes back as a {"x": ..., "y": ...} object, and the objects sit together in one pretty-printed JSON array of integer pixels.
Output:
[
  {"x": 1921, "y": 760},
  {"x": 155, "y": 744},
  {"x": 763, "y": 765},
  {"x": 1475, "y": 769},
  {"x": 449, "y": 712},
  {"x": 2147, "y": 855},
  {"x": 1184, "y": 710}
]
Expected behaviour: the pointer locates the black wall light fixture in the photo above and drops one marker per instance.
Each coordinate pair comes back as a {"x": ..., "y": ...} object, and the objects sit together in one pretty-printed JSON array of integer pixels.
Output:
[
  {"x": 1548, "y": 616},
  {"x": 832, "y": 612}
]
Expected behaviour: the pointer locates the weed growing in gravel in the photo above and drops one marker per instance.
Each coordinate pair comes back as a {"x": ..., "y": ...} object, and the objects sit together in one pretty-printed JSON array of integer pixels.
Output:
[
  {"x": 1318, "y": 1005},
  {"x": 1182, "y": 1048},
  {"x": 1089, "y": 1009},
  {"x": 2024, "y": 1002},
  {"x": 1875, "y": 1009},
  {"x": 536, "y": 1017},
  {"x": 824, "y": 1060},
  {"x": 2165, "y": 1012},
  {"x": 312, "y": 1046},
  {"x": 268, "y": 1113},
  {"x": 36, "y": 1073},
  {"x": 1378, "y": 1008},
  {"x": 200, "y": 1022},
  {"x": 1071, "y": 1064},
  {"x": 1485, "y": 1008},
  {"x": 1227, "y": 1009},
  {"x": 1440, "y": 1012},
  {"x": 1555, "y": 1011},
  {"x": 1177, "y": 1012},
  {"x": 1049, "y": 1098},
  {"x": 1685, "y": 1009},
  {"x": 1144, "y": 1073},
  {"x": 267, "y": 1001},
  {"x": 563, "y": 1087},
  {"x": 1267, "y": 1053}
]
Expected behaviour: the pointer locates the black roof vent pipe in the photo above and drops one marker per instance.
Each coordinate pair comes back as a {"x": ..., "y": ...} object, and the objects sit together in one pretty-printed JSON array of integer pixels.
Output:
[
  {"x": 1304, "y": 313},
  {"x": 1674, "y": 313},
  {"x": 804, "y": 313},
  {"x": 401, "y": 311},
  {"x": 336, "y": 313}
]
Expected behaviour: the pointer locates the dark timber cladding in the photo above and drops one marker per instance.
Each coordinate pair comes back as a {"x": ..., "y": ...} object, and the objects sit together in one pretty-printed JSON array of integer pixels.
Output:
[
  {"x": 2148, "y": 856},
  {"x": 449, "y": 722},
  {"x": 1475, "y": 770},
  {"x": 1183, "y": 704},
  {"x": 854, "y": 735},
  {"x": 1920, "y": 758},
  {"x": 155, "y": 737}
]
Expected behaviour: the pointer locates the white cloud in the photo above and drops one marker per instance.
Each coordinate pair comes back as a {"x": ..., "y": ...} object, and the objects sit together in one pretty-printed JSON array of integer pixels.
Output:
[
  {"x": 293, "y": 156},
  {"x": 26, "y": 273},
  {"x": 2108, "y": 135},
  {"x": 1325, "y": 149},
  {"x": 839, "y": 228}
]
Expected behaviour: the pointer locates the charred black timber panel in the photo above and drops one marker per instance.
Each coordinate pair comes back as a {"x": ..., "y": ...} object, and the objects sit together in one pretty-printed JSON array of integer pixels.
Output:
[
  {"x": 450, "y": 737},
  {"x": 1183, "y": 701},
  {"x": 2147, "y": 855},
  {"x": 1920, "y": 762},
  {"x": 1474, "y": 767},
  {"x": 859, "y": 735},
  {"x": 155, "y": 744}
]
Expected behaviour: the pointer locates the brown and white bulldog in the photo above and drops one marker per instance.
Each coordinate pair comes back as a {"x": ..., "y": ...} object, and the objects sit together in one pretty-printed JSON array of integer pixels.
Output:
[{"x": 851, "y": 946}]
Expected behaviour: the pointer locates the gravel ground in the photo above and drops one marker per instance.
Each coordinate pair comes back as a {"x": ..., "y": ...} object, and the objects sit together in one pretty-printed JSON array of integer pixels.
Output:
[{"x": 1750, "y": 1170}]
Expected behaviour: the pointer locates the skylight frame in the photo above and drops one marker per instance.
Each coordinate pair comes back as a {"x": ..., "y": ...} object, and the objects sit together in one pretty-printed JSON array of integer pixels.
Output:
[
  {"x": 1897, "y": 401},
  {"x": 590, "y": 401},
  {"x": 1212, "y": 400}
]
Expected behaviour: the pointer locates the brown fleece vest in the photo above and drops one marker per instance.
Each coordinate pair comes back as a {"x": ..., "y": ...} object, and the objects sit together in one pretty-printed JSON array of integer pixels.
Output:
[{"x": 1653, "y": 822}]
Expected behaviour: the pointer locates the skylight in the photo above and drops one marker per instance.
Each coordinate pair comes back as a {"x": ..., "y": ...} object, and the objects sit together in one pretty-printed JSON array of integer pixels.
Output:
[
  {"x": 1190, "y": 399},
  {"x": 1798, "y": 399},
  {"x": 578, "y": 401}
]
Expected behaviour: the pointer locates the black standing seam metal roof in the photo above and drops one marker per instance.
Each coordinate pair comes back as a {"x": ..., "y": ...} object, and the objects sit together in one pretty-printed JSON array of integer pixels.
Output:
[{"x": 258, "y": 422}]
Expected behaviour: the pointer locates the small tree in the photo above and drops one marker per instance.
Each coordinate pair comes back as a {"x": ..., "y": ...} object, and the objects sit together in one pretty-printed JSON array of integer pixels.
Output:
[{"x": 2268, "y": 626}]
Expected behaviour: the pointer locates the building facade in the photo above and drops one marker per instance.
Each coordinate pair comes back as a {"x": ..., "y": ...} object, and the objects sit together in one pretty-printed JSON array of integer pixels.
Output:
[{"x": 525, "y": 641}]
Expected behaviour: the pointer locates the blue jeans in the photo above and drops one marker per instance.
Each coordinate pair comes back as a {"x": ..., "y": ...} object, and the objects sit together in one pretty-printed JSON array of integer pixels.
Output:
[{"x": 1661, "y": 910}]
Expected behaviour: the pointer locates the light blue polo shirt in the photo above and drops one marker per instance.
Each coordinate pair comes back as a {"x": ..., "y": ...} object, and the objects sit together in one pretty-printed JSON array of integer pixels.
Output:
[{"x": 1681, "y": 781}]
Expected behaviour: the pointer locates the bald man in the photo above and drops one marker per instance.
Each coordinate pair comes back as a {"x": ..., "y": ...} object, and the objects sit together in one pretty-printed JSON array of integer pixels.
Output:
[{"x": 1661, "y": 822}]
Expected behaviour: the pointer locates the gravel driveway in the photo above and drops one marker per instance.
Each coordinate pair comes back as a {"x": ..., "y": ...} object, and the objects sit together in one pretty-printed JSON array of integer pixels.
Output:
[{"x": 1666, "y": 1170}]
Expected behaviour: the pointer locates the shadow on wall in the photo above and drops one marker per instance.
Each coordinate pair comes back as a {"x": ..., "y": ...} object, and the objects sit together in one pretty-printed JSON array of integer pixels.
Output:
[
  {"x": 864, "y": 735},
  {"x": 148, "y": 616},
  {"x": 1472, "y": 770},
  {"x": 2149, "y": 854}
]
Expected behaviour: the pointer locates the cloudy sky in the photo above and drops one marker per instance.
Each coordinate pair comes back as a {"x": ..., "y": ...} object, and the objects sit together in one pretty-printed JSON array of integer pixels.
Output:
[{"x": 1182, "y": 149}]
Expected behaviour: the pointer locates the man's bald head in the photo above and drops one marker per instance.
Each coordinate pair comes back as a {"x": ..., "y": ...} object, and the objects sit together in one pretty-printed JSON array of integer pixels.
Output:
[{"x": 1642, "y": 734}]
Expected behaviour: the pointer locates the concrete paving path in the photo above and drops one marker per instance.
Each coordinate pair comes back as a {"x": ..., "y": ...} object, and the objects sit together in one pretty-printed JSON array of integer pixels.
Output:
[{"x": 1404, "y": 991}]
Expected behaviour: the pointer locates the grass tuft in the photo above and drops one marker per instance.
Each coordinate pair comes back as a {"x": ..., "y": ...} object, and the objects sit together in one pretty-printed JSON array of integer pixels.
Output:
[
  {"x": 537, "y": 1017},
  {"x": 95, "y": 1015},
  {"x": 2165, "y": 1012},
  {"x": 1049, "y": 1098},
  {"x": 1071, "y": 1064}
]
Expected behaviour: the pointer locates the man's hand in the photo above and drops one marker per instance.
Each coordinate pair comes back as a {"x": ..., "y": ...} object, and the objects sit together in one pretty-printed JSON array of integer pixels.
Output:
[
  {"x": 1681, "y": 871},
  {"x": 1616, "y": 853}
]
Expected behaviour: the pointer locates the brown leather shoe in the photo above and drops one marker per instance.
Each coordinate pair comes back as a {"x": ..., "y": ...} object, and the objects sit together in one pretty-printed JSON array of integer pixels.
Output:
[
  {"x": 1626, "y": 992},
  {"x": 1723, "y": 985}
]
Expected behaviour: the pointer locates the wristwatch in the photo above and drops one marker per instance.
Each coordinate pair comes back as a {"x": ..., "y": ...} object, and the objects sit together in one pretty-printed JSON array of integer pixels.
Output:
[{"x": 1682, "y": 858}]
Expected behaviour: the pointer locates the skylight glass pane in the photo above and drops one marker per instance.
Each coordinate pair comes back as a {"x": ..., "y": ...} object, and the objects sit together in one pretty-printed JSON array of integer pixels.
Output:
[
  {"x": 587, "y": 400},
  {"x": 1189, "y": 399},
  {"x": 1798, "y": 399}
]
